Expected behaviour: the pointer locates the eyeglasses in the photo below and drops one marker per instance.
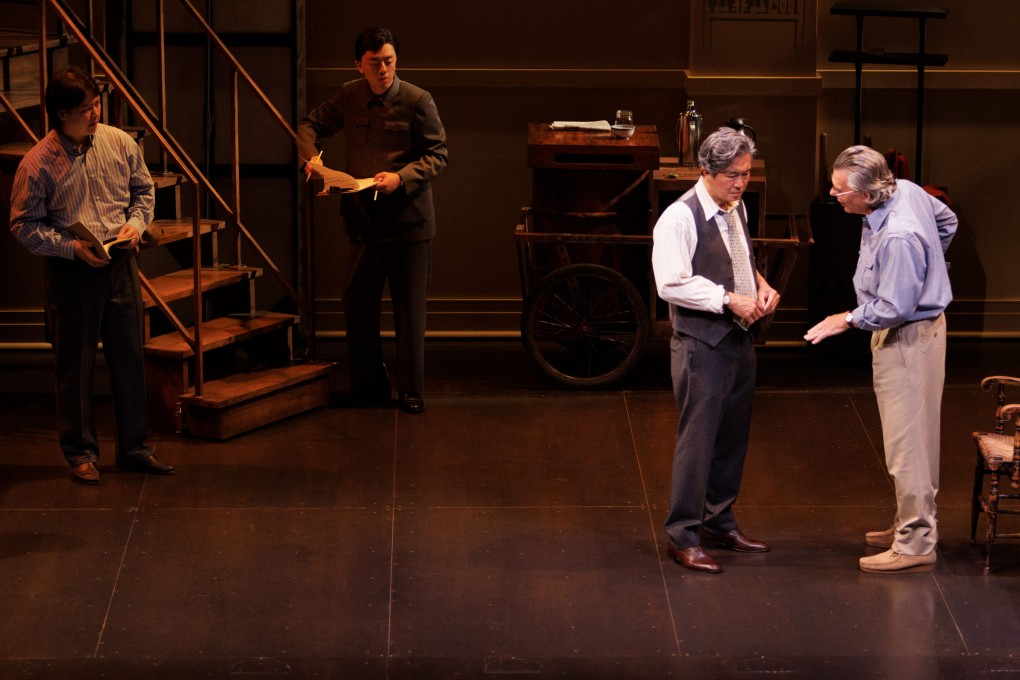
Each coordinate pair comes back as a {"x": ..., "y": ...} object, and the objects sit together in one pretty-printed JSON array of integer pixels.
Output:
[{"x": 844, "y": 193}]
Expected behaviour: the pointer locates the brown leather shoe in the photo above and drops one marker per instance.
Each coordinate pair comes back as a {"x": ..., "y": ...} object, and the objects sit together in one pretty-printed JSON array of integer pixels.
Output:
[
  {"x": 86, "y": 473},
  {"x": 694, "y": 557},
  {"x": 735, "y": 540}
]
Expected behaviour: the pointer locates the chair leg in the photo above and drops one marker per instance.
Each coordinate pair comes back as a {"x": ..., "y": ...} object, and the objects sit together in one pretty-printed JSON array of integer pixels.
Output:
[
  {"x": 993, "y": 514},
  {"x": 975, "y": 497}
]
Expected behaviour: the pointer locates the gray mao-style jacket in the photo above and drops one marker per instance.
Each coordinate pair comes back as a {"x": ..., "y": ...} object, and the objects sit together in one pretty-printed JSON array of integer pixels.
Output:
[{"x": 398, "y": 132}]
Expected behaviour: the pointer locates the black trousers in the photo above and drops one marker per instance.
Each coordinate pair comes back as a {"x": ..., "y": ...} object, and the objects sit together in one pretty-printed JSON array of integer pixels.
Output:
[
  {"x": 86, "y": 305},
  {"x": 407, "y": 266}
]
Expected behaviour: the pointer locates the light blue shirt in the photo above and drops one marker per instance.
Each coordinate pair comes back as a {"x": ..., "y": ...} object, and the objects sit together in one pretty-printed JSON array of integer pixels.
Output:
[
  {"x": 105, "y": 186},
  {"x": 902, "y": 274}
]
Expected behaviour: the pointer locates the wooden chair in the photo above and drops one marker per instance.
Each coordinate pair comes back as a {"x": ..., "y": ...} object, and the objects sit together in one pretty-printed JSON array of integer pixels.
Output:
[{"x": 998, "y": 455}]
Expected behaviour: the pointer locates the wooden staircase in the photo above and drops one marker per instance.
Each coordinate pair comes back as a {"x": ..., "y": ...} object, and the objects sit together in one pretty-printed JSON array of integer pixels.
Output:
[
  {"x": 237, "y": 371},
  {"x": 251, "y": 378}
]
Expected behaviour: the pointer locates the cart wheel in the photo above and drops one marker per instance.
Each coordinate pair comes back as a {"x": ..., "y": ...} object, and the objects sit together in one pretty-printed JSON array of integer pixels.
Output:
[{"x": 585, "y": 325}]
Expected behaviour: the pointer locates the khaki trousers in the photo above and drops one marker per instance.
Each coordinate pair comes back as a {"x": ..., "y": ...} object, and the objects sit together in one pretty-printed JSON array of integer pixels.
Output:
[{"x": 909, "y": 364}]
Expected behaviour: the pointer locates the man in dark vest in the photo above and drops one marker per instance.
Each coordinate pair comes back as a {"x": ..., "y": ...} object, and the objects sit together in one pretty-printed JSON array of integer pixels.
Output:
[{"x": 704, "y": 268}]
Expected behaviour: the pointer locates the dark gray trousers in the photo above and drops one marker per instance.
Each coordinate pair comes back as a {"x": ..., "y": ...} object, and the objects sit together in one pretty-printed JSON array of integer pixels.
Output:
[
  {"x": 407, "y": 266},
  {"x": 86, "y": 305},
  {"x": 713, "y": 388}
]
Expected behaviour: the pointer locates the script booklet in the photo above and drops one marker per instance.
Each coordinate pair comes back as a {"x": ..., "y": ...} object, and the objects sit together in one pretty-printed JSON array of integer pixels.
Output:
[
  {"x": 590, "y": 125},
  {"x": 337, "y": 182},
  {"x": 101, "y": 250}
]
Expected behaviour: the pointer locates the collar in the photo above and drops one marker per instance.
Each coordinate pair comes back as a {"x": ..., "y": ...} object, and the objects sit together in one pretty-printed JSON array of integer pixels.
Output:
[
  {"x": 68, "y": 145},
  {"x": 708, "y": 205},
  {"x": 880, "y": 215},
  {"x": 386, "y": 97}
]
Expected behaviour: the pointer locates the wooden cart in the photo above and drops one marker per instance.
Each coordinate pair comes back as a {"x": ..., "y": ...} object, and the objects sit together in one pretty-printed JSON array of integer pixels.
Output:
[{"x": 584, "y": 249}]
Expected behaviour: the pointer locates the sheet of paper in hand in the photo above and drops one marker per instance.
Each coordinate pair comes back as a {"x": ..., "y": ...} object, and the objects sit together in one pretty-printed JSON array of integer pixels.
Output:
[
  {"x": 336, "y": 182},
  {"x": 100, "y": 249}
]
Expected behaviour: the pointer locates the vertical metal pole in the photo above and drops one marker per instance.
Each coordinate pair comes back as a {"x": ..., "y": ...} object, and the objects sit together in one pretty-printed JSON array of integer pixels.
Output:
[
  {"x": 43, "y": 68},
  {"x": 196, "y": 268},
  {"x": 858, "y": 80},
  {"x": 161, "y": 65},
  {"x": 235, "y": 164},
  {"x": 918, "y": 155}
]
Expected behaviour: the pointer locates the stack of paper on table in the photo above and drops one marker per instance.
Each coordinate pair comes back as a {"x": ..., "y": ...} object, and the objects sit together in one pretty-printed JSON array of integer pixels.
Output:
[{"x": 590, "y": 125}]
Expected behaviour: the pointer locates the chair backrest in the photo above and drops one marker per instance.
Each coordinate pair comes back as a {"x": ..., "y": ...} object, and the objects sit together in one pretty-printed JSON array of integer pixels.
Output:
[{"x": 1000, "y": 382}]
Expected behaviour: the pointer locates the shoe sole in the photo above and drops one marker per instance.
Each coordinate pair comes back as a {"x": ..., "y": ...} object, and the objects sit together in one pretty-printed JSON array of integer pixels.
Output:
[
  {"x": 86, "y": 482},
  {"x": 909, "y": 570}
]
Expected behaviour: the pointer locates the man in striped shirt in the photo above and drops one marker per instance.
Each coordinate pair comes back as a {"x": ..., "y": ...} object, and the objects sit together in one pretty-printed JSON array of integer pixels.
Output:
[{"x": 85, "y": 172}]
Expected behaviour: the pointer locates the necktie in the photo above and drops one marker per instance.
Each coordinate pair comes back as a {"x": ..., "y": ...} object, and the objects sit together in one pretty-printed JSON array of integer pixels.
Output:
[{"x": 743, "y": 277}]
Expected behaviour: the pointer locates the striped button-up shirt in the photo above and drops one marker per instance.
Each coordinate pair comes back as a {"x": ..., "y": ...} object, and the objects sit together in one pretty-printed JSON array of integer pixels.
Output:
[{"x": 104, "y": 186}]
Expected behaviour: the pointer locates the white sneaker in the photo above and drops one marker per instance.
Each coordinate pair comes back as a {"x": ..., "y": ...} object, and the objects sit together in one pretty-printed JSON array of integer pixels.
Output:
[
  {"x": 881, "y": 539},
  {"x": 892, "y": 562}
]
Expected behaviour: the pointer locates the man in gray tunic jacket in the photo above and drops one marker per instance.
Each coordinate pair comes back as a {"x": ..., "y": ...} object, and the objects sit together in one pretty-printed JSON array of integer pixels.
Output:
[{"x": 393, "y": 134}]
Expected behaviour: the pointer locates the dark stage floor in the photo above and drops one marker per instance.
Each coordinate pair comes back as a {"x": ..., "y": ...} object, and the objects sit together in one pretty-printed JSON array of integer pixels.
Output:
[{"x": 512, "y": 530}]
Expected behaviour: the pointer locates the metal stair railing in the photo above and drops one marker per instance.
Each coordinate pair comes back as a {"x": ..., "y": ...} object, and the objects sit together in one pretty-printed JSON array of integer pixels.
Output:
[{"x": 175, "y": 151}]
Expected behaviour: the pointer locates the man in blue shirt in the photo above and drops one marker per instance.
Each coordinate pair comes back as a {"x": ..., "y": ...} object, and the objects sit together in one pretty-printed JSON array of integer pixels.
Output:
[{"x": 902, "y": 285}]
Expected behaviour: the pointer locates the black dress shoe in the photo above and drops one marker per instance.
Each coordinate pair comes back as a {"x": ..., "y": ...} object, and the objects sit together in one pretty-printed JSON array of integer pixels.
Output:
[
  {"x": 147, "y": 463},
  {"x": 694, "y": 557},
  {"x": 411, "y": 402},
  {"x": 735, "y": 540},
  {"x": 361, "y": 400}
]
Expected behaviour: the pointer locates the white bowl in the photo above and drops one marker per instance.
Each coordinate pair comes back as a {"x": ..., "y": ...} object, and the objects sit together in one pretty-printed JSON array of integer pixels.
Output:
[{"x": 622, "y": 131}]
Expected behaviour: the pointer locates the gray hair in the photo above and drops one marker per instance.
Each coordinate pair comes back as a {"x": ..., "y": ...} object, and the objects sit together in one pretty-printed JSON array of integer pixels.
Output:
[
  {"x": 867, "y": 172},
  {"x": 721, "y": 148}
]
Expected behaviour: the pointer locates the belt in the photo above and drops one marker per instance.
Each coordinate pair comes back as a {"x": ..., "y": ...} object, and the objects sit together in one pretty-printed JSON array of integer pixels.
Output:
[{"x": 882, "y": 335}]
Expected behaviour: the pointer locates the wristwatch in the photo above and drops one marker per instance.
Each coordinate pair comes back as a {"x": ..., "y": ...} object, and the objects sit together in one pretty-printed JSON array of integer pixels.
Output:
[
  {"x": 725, "y": 299},
  {"x": 849, "y": 318}
]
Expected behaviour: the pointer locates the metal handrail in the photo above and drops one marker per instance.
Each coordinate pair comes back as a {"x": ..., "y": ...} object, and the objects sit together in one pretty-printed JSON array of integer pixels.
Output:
[{"x": 171, "y": 148}]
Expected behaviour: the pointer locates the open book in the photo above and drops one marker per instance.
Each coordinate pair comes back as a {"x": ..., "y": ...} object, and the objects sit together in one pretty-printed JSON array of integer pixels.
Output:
[
  {"x": 100, "y": 249},
  {"x": 336, "y": 182}
]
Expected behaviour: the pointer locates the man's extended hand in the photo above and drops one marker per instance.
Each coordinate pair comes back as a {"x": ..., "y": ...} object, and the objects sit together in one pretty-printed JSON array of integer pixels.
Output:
[{"x": 826, "y": 328}]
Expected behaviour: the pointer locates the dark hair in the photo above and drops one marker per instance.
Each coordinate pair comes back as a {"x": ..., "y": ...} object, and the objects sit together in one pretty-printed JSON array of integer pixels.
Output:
[
  {"x": 66, "y": 90},
  {"x": 372, "y": 40}
]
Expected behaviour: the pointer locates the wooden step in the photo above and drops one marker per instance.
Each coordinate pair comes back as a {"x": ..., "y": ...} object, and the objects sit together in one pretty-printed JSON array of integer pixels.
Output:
[
  {"x": 170, "y": 179},
  {"x": 178, "y": 230},
  {"x": 15, "y": 151},
  {"x": 19, "y": 54},
  {"x": 245, "y": 401},
  {"x": 179, "y": 285},
  {"x": 220, "y": 332}
]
